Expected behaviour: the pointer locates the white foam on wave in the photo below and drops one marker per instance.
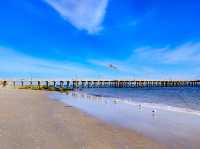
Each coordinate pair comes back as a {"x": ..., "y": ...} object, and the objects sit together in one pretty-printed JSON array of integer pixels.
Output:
[{"x": 162, "y": 107}]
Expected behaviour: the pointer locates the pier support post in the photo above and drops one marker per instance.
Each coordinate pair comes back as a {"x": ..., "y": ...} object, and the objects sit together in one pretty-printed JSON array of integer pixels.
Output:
[
  {"x": 68, "y": 84},
  {"x": 22, "y": 83},
  {"x": 39, "y": 84},
  {"x": 47, "y": 84},
  {"x": 74, "y": 84},
  {"x": 100, "y": 84},
  {"x": 61, "y": 84},
  {"x": 14, "y": 84},
  {"x": 82, "y": 84},
  {"x": 54, "y": 84},
  {"x": 31, "y": 83}
]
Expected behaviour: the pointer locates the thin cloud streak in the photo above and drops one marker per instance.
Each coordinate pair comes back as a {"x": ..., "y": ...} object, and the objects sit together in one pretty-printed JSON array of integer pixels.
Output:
[
  {"x": 83, "y": 14},
  {"x": 182, "y": 54},
  {"x": 159, "y": 63},
  {"x": 24, "y": 65},
  {"x": 181, "y": 62}
]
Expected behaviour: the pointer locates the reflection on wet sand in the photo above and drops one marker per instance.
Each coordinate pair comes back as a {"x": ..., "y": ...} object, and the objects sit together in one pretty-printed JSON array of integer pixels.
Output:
[{"x": 95, "y": 99}]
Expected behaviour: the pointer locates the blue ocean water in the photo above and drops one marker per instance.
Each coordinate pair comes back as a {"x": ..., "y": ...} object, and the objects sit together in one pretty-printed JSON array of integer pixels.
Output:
[{"x": 184, "y": 97}]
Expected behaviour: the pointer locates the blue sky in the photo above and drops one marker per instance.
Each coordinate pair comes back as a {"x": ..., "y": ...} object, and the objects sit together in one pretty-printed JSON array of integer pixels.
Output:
[{"x": 80, "y": 39}]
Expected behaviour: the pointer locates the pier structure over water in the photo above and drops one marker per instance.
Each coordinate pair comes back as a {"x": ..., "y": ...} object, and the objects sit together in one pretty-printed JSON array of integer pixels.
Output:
[{"x": 74, "y": 84}]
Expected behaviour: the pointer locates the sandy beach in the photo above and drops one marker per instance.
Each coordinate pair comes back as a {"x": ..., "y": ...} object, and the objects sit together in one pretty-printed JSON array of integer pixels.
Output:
[{"x": 29, "y": 120}]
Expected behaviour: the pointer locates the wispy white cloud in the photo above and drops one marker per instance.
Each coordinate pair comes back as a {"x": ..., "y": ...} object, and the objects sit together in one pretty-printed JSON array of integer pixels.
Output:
[
  {"x": 83, "y": 14},
  {"x": 180, "y": 62},
  {"x": 125, "y": 69},
  {"x": 21, "y": 65},
  {"x": 182, "y": 54}
]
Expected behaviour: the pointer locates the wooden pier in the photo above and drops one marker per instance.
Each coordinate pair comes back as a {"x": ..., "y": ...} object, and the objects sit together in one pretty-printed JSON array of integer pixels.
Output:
[{"x": 68, "y": 84}]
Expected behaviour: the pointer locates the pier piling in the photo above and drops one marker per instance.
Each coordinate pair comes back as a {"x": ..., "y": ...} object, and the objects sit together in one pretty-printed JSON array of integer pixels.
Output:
[{"x": 105, "y": 84}]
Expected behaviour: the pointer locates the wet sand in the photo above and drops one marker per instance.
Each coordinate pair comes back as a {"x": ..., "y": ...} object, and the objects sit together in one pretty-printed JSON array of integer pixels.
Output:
[{"x": 29, "y": 120}]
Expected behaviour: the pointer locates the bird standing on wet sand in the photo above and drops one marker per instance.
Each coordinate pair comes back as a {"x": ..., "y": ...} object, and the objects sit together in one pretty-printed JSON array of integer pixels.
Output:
[{"x": 154, "y": 110}]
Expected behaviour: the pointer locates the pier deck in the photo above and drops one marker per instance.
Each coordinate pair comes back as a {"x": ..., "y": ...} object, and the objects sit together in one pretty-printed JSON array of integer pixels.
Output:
[{"x": 100, "y": 83}]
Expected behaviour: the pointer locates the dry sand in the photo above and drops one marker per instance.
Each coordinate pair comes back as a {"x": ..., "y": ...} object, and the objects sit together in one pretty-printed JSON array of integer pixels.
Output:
[{"x": 29, "y": 120}]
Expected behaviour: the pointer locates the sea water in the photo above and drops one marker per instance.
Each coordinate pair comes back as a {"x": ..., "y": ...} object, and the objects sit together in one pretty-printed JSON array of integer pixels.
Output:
[{"x": 183, "y": 97}]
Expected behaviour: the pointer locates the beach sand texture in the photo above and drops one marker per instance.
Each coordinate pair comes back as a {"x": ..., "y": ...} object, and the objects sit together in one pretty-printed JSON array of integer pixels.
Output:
[{"x": 29, "y": 120}]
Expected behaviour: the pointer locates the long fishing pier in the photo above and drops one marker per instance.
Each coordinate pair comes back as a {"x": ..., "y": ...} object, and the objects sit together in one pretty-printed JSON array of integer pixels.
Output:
[{"x": 74, "y": 84}]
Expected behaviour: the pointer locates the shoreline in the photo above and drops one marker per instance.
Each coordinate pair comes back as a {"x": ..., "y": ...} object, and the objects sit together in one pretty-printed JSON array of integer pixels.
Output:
[
  {"x": 149, "y": 104},
  {"x": 175, "y": 129},
  {"x": 29, "y": 119}
]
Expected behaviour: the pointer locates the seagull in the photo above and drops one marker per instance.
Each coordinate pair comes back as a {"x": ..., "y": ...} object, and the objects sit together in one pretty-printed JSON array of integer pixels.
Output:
[
  {"x": 112, "y": 66},
  {"x": 154, "y": 110}
]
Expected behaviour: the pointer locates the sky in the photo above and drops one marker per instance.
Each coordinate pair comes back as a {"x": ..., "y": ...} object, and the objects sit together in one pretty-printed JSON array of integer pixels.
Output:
[{"x": 100, "y": 39}]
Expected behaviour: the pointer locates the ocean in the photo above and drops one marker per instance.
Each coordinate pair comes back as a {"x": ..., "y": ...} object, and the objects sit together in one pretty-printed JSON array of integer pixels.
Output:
[{"x": 181, "y": 97}]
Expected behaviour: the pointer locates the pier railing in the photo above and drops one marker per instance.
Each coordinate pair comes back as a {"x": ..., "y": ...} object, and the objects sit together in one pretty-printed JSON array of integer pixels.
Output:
[{"x": 41, "y": 84}]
